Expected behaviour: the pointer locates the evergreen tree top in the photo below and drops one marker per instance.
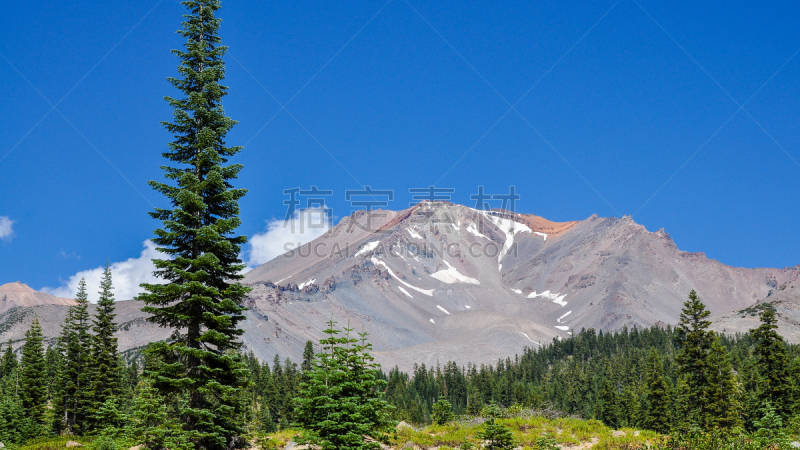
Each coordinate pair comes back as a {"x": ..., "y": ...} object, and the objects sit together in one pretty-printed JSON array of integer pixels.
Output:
[{"x": 693, "y": 316}]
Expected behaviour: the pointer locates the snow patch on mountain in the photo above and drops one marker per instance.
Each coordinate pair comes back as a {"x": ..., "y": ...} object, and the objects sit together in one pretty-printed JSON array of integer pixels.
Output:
[
  {"x": 368, "y": 248},
  {"x": 404, "y": 291},
  {"x": 529, "y": 338},
  {"x": 557, "y": 299},
  {"x": 443, "y": 310},
  {"x": 471, "y": 228},
  {"x": 452, "y": 275},
  {"x": 306, "y": 283},
  {"x": 510, "y": 228},
  {"x": 376, "y": 261}
]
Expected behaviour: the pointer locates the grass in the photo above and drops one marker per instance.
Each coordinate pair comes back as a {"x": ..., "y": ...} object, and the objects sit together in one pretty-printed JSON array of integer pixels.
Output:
[
  {"x": 567, "y": 431},
  {"x": 527, "y": 430},
  {"x": 53, "y": 443}
]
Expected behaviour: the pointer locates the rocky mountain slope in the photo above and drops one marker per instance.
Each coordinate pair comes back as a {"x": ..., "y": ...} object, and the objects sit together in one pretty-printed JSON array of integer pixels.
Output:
[
  {"x": 441, "y": 282},
  {"x": 134, "y": 330},
  {"x": 786, "y": 301}
]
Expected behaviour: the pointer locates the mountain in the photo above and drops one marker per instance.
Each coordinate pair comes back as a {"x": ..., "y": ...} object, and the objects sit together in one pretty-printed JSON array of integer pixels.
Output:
[
  {"x": 19, "y": 294},
  {"x": 19, "y": 304},
  {"x": 786, "y": 301},
  {"x": 440, "y": 282}
]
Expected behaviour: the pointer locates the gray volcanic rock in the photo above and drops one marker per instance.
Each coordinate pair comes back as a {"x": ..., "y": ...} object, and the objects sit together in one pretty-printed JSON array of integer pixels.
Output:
[
  {"x": 441, "y": 282},
  {"x": 786, "y": 301}
]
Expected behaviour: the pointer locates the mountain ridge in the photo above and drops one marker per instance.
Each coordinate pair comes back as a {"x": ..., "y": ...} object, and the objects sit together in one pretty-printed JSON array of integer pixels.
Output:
[
  {"x": 440, "y": 281},
  {"x": 20, "y": 294}
]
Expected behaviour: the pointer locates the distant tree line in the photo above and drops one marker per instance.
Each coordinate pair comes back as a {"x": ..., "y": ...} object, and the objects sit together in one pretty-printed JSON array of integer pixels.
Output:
[
  {"x": 654, "y": 378},
  {"x": 664, "y": 379}
]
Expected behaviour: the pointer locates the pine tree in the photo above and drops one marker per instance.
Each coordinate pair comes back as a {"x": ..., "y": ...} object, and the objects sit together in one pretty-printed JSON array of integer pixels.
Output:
[
  {"x": 773, "y": 364},
  {"x": 340, "y": 403},
  {"x": 308, "y": 356},
  {"x": 15, "y": 427},
  {"x": 724, "y": 406},
  {"x": 266, "y": 424},
  {"x": 9, "y": 362},
  {"x": 682, "y": 406},
  {"x": 694, "y": 341},
  {"x": 203, "y": 297},
  {"x": 76, "y": 345},
  {"x": 54, "y": 362},
  {"x": 33, "y": 374},
  {"x": 658, "y": 398},
  {"x": 608, "y": 405},
  {"x": 149, "y": 423},
  {"x": 629, "y": 407},
  {"x": 442, "y": 412},
  {"x": 104, "y": 357},
  {"x": 498, "y": 436}
]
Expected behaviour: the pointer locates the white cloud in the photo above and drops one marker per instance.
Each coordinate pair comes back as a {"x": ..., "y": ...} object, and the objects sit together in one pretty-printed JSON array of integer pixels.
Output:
[
  {"x": 282, "y": 236},
  {"x": 6, "y": 230},
  {"x": 125, "y": 276}
]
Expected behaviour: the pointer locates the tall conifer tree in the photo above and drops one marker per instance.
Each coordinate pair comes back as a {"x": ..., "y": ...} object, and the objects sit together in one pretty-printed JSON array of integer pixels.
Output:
[
  {"x": 33, "y": 376},
  {"x": 724, "y": 405},
  {"x": 76, "y": 343},
  {"x": 608, "y": 405},
  {"x": 104, "y": 357},
  {"x": 9, "y": 362},
  {"x": 773, "y": 364},
  {"x": 695, "y": 341},
  {"x": 659, "y": 401},
  {"x": 202, "y": 300}
]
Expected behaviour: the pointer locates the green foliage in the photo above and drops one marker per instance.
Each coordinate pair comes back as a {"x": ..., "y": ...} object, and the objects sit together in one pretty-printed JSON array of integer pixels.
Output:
[
  {"x": 466, "y": 444},
  {"x": 442, "y": 412},
  {"x": 9, "y": 362},
  {"x": 724, "y": 406},
  {"x": 308, "y": 357},
  {"x": 105, "y": 442},
  {"x": 15, "y": 425},
  {"x": 607, "y": 408},
  {"x": 198, "y": 371},
  {"x": 340, "y": 403},
  {"x": 694, "y": 341},
  {"x": 769, "y": 429},
  {"x": 149, "y": 424},
  {"x": 773, "y": 364},
  {"x": 74, "y": 400},
  {"x": 546, "y": 442},
  {"x": 104, "y": 362},
  {"x": 266, "y": 424},
  {"x": 658, "y": 397},
  {"x": 498, "y": 436},
  {"x": 109, "y": 418},
  {"x": 33, "y": 374}
]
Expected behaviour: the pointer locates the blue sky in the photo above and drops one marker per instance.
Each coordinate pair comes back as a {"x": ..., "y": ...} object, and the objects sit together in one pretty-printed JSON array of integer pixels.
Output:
[{"x": 685, "y": 115}]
